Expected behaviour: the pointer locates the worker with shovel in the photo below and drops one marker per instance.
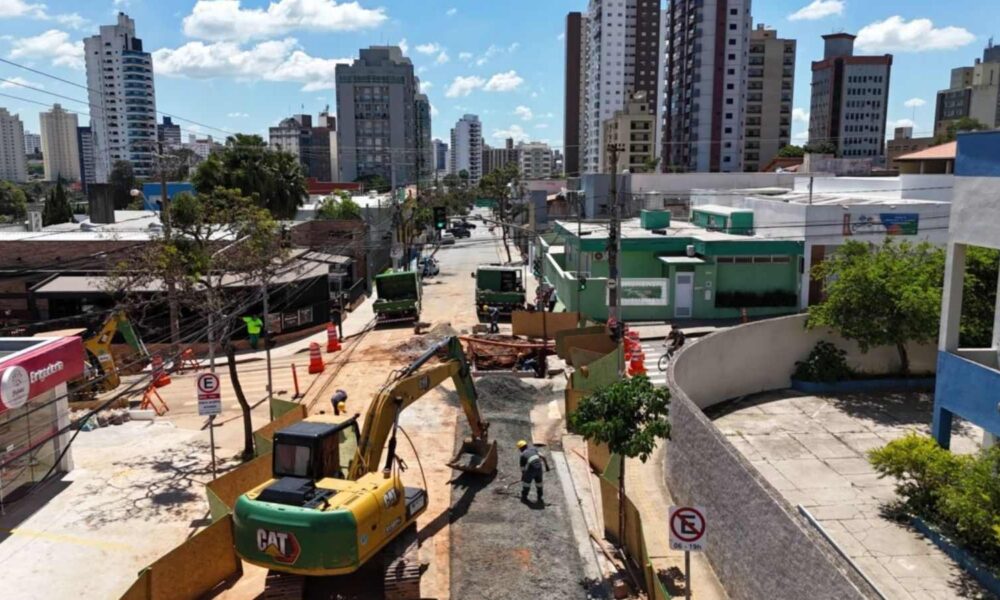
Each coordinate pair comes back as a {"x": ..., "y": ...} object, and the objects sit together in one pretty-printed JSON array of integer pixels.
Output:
[{"x": 531, "y": 469}]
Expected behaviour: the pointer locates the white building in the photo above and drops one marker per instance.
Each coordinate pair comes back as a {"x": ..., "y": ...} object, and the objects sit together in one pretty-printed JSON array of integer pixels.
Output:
[
  {"x": 13, "y": 164},
  {"x": 467, "y": 148},
  {"x": 201, "y": 147},
  {"x": 705, "y": 85},
  {"x": 535, "y": 160},
  {"x": 122, "y": 99},
  {"x": 60, "y": 146},
  {"x": 622, "y": 55}
]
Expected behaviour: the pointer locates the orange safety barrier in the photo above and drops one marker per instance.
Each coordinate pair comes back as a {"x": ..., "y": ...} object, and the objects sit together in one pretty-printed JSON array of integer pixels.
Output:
[
  {"x": 316, "y": 364},
  {"x": 188, "y": 361},
  {"x": 332, "y": 341},
  {"x": 160, "y": 377},
  {"x": 637, "y": 365},
  {"x": 150, "y": 398}
]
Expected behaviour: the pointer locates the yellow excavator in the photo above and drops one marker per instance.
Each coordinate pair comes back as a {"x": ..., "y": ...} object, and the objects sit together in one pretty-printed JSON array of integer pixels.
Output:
[{"x": 330, "y": 519}]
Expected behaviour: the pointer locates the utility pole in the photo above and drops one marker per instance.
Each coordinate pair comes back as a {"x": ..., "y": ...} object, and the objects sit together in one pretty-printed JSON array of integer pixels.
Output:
[
  {"x": 614, "y": 249},
  {"x": 174, "y": 310},
  {"x": 267, "y": 350}
]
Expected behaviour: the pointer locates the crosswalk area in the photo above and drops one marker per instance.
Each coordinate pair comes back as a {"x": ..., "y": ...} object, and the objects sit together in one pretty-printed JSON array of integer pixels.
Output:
[{"x": 654, "y": 350}]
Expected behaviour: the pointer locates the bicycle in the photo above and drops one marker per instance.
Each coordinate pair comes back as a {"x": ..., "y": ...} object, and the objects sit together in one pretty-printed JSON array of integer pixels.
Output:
[{"x": 665, "y": 359}]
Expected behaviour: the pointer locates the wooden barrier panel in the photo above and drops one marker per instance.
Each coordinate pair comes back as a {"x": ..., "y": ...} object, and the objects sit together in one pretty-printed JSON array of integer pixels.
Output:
[
  {"x": 279, "y": 407},
  {"x": 140, "y": 588},
  {"x": 564, "y": 339},
  {"x": 542, "y": 324},
  {"x": 227, "y": 489},
  {"x": 263, "y": 437},
  {"x": 598, "y": 456},
  {"x": 194, "y": 568}
]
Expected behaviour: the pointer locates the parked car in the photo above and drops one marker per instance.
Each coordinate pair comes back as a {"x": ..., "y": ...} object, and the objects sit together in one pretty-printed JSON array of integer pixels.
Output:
[
  {"x": 429, "y": 266},
  {"x": 464, "y": 224},
  {"x": 459, "y": 232},
  {"x": 447, "y": 239}
]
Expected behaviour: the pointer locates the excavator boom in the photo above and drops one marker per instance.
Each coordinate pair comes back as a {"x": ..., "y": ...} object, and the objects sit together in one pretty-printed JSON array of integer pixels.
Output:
[{"x": 410, "y": 385}]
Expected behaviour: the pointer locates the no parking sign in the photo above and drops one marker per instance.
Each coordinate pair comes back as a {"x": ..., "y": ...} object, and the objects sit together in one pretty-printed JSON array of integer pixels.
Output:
[{"x": 687, "y": 528}]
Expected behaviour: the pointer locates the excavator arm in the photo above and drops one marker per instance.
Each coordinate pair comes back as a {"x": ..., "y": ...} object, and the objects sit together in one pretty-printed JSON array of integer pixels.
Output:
[{"x": 408, "y": 387}]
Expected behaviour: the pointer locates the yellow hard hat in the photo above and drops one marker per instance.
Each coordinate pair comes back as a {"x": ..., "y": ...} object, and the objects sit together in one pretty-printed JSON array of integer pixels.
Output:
[
  {"x": 521, "y": 444},
  {"x": 342, "y": 407}
]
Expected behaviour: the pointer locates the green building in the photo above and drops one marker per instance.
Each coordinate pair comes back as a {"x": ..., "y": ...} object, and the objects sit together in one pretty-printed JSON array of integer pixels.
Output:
[{"x": 676, "y": 270}]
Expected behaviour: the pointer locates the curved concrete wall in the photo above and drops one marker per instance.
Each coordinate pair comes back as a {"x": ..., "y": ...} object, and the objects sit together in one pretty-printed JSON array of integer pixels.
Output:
[
  {"x": 758, "y": 544},
  {"x": 761, "y": 356}
]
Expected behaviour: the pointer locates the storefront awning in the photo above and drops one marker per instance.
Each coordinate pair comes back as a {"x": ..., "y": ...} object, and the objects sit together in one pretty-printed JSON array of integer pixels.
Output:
[{"x": 682, "y": 260}]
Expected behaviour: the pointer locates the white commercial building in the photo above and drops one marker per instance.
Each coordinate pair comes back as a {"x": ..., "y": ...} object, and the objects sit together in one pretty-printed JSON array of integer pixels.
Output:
[
  {"x": 122, "y": 99},
  {"x": 13, "y": 164},
  {"x": 467, "y": 148},
  {"x": 32, "y": 143},
  {"x": 535, "y": 160},
  {"x": 60, "y": 146}
]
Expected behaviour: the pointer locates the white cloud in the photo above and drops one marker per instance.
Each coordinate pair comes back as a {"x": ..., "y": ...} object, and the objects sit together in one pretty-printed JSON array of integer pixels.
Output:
[
  {"x": 818, "y": 9},
  {"x": 17, "y": 82},
  {"x": 914, "y": 103},
  {"x": 524, "y": 112},
  {"x": 901, "y": 123},
  {"x": 275, "y": 60},
  {"x": 895, "y": 34},
  {"x": 464, "y": 56},
  {"x": 425, "y": 85},
  {"x": 801, "y": 136},
  {"x": 434, "y": 111},
  {"x": 561, "y": 37},
  {"x": 542, "y": 126},
  {"x": 451, "y": 12},
  {"x": 495, "y": 50},
  {"x": 53, "y": 45},
  {"x": 11, "y": 9},
  {"x": 463, "y": 86},
  {"x": 514, "y": 131},
  {"x": 513, "y": 47},
  {"x": 504, "y": 82},
  {"x": 430, "y": 48},
  {"x": 801, "y": 115},
  {"x": 404, "y": 46},
  {"x": 227, "y": 20},
  {"x": 442, "y": 58},
  {"x": 237, "y": 115}
]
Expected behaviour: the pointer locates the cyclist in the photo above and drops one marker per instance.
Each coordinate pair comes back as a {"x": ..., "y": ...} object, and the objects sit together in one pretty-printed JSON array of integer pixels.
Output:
[{"x": 677, "y": 339}]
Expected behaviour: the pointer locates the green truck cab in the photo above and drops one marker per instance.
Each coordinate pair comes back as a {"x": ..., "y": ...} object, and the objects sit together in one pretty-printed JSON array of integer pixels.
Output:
[
  {"x": 398, "y": 297},
  {"x": 499, "y": 287}
]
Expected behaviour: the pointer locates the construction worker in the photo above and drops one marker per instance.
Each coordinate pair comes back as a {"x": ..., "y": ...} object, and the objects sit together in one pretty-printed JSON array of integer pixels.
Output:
[
  {"x": 254, "y": 326},
  {"x": 494, "y": 319},
  {"x": 531, "y": 469}
]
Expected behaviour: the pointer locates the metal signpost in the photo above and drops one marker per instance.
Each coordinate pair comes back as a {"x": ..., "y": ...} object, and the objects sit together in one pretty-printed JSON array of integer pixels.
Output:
[
  {"x": 687, "y": 533},
  {"x": 210, "y": 404}
]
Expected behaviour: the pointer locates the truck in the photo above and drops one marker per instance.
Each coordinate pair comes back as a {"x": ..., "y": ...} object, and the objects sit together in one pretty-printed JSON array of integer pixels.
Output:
[
  {"x": 498, "y": 287},
  {"x": 333, "y": 516},
  {"x": 398, "y": 298}
]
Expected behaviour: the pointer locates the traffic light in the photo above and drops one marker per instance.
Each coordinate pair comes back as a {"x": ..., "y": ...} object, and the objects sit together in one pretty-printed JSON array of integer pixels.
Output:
[{"x": 440, "y": 218}]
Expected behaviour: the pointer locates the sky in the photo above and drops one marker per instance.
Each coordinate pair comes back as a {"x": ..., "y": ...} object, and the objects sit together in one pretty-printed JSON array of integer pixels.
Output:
[{"x": 243, "y": 65}]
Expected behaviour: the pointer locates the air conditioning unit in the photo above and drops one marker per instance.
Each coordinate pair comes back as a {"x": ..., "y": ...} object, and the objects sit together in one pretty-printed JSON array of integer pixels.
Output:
[{"x": 690, "y": 250}]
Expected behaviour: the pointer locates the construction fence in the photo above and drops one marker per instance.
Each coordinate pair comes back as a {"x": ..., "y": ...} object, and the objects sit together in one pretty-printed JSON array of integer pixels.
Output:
[
  {"x": 208, "y": 560},
  {"x": 595, "y": 360}
]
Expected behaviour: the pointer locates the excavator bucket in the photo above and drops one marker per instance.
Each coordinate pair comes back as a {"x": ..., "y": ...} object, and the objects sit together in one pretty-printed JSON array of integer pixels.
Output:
[{"x": 478, "y": 457}]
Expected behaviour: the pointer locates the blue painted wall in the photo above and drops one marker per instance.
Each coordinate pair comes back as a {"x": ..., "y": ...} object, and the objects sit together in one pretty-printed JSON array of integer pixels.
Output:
[
  {"x": 152, "y": 192},
  {"x": 968, "y": 390},
  {"x": 978, "y": 154}
]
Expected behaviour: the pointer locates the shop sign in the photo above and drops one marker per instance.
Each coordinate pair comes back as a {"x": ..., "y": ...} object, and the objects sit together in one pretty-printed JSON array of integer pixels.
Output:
[
  {"x": 40, "y": 370},
  {"x": 882, "y": 223}
]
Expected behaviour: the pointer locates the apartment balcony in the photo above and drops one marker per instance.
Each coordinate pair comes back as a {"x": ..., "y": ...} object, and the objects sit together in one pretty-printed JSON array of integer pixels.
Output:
[{"x": 967, "y": 384}]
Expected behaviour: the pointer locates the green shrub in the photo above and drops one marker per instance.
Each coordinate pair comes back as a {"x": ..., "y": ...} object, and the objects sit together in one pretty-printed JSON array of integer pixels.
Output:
[
  {"x": 826, "y": 364},
  {"x": 972, "y": 505},
  {"x": 922, "y": 470}
]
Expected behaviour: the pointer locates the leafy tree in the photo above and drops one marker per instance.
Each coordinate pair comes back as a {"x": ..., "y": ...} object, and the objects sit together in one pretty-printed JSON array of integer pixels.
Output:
[
  {"x": 979, "y": 297},
  {"x": 791, "y": 151},
  {"x": 57, "y": 208},
  {"x": 820, "y": 148},
  {"x": 450, "y": 181},
  {"x": 338, "y": 208},
  {"x": 374, "y": 182},
  {"x": 221, "y": 235},
  {"x": 122, "y": 182},
  {"x": 273, "y": 180},
  {"x": 958, "y": 126},
  {"x": 180, "y": 163},
  {"x": 629, "y": 416},
  {"x": 496, "y": 186},
  {"x": 13, "y": 203},
  {"x": 650, "y": 165},
  {"x": 463, "y": 177},
  {"x": 882, "y": 295}
]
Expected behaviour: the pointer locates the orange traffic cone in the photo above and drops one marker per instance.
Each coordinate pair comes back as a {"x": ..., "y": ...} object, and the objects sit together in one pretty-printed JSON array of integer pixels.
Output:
[
  {"x": 160, "y": 377},
  {"x": 332, "y": 341},
  {"x": 316, "y": 364},
  {"x": 637, "y": 366}
]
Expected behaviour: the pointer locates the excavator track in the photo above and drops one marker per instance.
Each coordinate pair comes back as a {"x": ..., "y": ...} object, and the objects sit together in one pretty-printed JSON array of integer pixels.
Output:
[
  {"x": 283, "y": 586},
  {"x": 403, "y": 568}
]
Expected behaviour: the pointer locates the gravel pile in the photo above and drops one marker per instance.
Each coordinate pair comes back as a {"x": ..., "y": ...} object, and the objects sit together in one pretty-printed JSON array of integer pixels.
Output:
[{"x": 501, "y": 548}]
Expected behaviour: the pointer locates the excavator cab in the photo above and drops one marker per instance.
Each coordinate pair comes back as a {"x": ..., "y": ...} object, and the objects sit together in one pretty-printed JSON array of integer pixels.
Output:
[{"x": 307, "y": 452}]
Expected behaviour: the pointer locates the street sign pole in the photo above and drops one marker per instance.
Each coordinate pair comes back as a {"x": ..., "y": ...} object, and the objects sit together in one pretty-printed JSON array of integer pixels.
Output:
[
  {"x": 211, "y": 442},
  {"x": 210, "y": 404},
  {"x": 687, "y": 575},
  {"x": 687, "y": 533}
]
